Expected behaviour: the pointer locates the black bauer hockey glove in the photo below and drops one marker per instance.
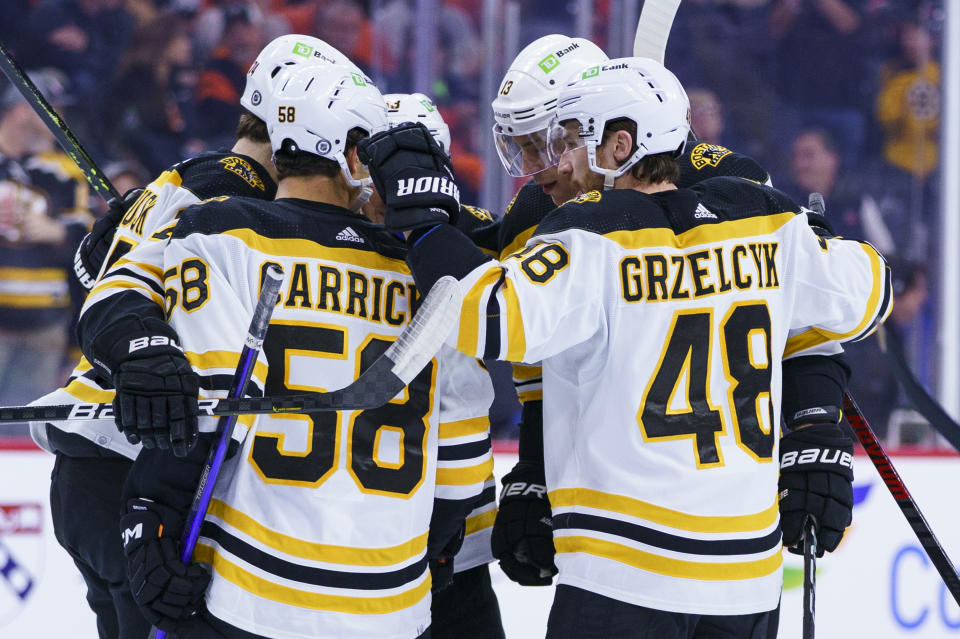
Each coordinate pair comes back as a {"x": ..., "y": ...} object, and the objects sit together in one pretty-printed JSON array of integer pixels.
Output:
[
  {"x": 522, "y": 537},
  {"x": 166, "y": 591},
  {"x": 92, "y": 252},
  {"x": 156, "y": 391},
  {"x": 413, "y": 176},
  {"x": 816, "y": 478}
]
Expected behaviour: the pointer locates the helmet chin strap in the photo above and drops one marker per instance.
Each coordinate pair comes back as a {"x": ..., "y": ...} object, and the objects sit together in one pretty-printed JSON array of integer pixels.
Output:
[
  {"x": 365, "y": 184},
  {"x": 610, "y": 175}
]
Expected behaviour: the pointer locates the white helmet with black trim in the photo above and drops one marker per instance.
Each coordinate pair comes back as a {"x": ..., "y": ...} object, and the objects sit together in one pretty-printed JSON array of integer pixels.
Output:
[
  {"x": 281, "y": 55},
  {"x": 527, "y": 98},
  {"x": 640, "y": 89},
  {"x": 315, "y": 108},
  {"x": 417, "y": 107}
]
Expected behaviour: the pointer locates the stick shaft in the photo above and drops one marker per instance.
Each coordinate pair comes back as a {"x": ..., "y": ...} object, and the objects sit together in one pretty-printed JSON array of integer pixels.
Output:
[
  {"x": 809, "y": 576},
  {"x": 71, "y": 145},
  {"x": 902, "y": 496}
]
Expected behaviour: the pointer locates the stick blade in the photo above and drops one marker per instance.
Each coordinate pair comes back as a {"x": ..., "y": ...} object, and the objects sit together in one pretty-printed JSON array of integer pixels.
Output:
[{"x": 653, "y": 28}]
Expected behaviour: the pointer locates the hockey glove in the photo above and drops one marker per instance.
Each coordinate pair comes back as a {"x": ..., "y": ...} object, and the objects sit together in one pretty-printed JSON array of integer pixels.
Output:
[
  {"x": 166, "y": 591},
  {"x": 413, "y": 176},
  {"x": 92, "y": 252},
  {"x": 522, "y": 537},
  {"x": 816, "y": 478},
  {"x": 441, "y": 561},
  {"x": 156, "y": 399}
]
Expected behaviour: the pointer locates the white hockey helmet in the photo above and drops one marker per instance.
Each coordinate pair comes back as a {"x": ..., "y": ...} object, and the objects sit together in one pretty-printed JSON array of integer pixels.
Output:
[
  {"x": 528, "y": 94},
  {"x": 315, "y": 108},
  {"x": 640, "y": 89},
  {"x": 416, "y": 107},
  {"x": 282, "y": 54}
]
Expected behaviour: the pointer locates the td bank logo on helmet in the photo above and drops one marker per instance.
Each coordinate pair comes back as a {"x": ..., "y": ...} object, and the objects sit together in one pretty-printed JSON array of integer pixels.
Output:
[
  {"x": 595, "y": 70},
  {"x": 552, "y": 61},
  {"x": 410, "y": 186}
]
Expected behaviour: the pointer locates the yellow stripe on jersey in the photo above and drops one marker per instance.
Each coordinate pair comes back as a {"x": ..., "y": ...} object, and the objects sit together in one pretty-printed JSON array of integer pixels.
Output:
[
  {"x": 517, "y": 243},
  {"x": 481, "y": 521},
  {"x": 328, "y": 553},
  {"x": 32, "y": 274},
  {"x": 261, "y": 587},
  {"x": 517, "y": 344},
  {"x": 530, "y": 396},
  {"x": 523, "y": 372},
  {"x": 83, "y": 365},
  {"x": 588, "y": 498},
  {"x": 465, "y": 475},
  {"x": 112, "y": 284},
  {"x": 289, "y": 247},
  {"x": 155, "y": 271},
  {"x": 167, "y": 177},
  {"x": 33, "y": 301},
  {"x": 729, "y": 230},
  {"x": 720, "y": 571},
  {"x": 470, "y": 312},
  {"x": 223, "y": 359},
  {"x": 87, "y": 394},
  {"x": 816, "y": 336},
  {"x": 464, "y": 427}
]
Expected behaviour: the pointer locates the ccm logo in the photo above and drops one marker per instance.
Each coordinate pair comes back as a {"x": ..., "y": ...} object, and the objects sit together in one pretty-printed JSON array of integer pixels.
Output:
[
  {"x": 156, "y": 340},
  {"x": 816, "y": 455},
  {"x": 523, "y": 488},
  {"x": 428, "y": 184},
  {"x": 132, "y": 533}
]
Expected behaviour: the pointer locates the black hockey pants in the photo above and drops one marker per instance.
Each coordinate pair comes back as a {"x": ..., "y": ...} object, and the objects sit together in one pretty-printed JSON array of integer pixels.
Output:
[
  {"x": 467, "y": 608},
  {"x": 581, "y": 614},
  {"x": 85, "y": 506}
]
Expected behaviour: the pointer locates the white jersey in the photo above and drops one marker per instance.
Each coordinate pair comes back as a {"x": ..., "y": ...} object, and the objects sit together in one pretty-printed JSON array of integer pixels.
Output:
[
  {"x": 128, "y": 271},
  {"x": 319, "y": 527},
  {"x": 660, "y": 322}
]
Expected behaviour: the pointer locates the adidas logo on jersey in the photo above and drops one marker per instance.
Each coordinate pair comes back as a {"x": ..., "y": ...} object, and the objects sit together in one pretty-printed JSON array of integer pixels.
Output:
[
  {"x": 703, "y": 212},
  {"x": 349, "y": 235}
]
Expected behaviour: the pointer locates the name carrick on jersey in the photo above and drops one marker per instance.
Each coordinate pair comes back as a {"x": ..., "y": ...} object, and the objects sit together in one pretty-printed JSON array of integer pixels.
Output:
[
  {"x": 128, "y": 274},
  {"x": 319, "y": 527},
  {"x": 660, "y": 321}
]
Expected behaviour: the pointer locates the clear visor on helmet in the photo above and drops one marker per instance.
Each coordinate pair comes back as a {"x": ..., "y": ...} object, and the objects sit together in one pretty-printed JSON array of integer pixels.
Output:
[
  {"x": 565, "y": 137},
  {"x": 526, "y": 154}
]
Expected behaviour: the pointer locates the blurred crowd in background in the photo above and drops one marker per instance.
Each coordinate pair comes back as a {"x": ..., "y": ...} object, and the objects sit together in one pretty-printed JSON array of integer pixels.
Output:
[{"x": 841, "y": 97}]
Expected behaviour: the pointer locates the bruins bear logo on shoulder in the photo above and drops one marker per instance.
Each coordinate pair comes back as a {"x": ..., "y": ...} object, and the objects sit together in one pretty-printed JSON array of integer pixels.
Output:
[
  {"x": 708, "y": 155},
  {"x": 481, "y": 214},
  {"x": 589, "y": 196},
  {"x": 242, "y": 168}
]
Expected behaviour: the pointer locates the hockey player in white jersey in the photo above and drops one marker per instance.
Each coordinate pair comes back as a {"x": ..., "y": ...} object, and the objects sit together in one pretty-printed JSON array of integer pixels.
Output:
[
  {"x": 92, "y": 457},
  {"x": 324, "y": 524},
  {"x": 661, "y": 316},
  {"x": 468, "y": 607}
]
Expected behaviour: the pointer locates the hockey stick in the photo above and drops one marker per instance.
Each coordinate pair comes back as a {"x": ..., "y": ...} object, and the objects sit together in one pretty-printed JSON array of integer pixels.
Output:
[
  {"x": 809, "y": 575},
  {"x": 902, "y": 496},
  {"x": 257, "y": 330},
  {"x": 71, "y": 145},
  {"x": 377, "y": 385},
  {"x": 653, "y": 28}
]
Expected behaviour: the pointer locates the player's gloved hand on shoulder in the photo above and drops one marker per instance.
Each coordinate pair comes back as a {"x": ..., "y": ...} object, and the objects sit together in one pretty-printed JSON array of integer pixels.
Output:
[
  {"x": 413, "y": 176},
  {"x": 816, "y": 478},
  {"x": 93, "y": 250},
  {"x": 156, "y": 390},
  {"x": 522, "y": 537},
  {"x": 166, "y": 591}
]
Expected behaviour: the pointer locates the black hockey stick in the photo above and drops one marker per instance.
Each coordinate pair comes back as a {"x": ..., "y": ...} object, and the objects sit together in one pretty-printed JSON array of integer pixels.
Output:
[
  {"x": 266, "y": 302},
  {"x": 377, "y": 385},
  {"x": 902, "y": 496},
  {"x": 71, "y": 145},
  {"x": 809, "y": 575}
]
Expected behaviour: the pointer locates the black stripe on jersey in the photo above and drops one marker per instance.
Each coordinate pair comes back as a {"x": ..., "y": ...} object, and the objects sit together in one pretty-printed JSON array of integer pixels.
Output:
[
  {"x": 156, "y": 288},
  {"x": 463, "y": 451},
  {"x": 676, "y": 209},
  {"x": 492, "y": 345},
  {"x": 488, "y": 496},
  {"x": 666, "y": 541},
  {"x": 309, "y": 574},
  {"x": 225, "y": 383},
  {"x": 527, "y": 382},
  {"x": 887, "y": 297}
]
